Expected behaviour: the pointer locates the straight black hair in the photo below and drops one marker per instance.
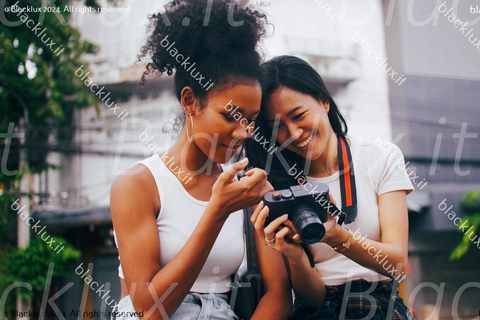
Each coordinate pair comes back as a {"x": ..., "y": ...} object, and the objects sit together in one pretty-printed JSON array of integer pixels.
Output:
[{"x": 296, "y": 74}]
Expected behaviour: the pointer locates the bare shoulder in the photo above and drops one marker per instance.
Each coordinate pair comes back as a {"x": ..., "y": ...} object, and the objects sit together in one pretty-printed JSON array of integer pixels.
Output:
[{"x": 134, "y": 189}]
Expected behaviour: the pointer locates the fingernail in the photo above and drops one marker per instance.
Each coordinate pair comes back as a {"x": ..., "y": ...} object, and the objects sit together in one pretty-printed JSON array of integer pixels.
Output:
[
  {"x": 261, "y": 203},
  {"x": 285, "y": 216},
  {"x": 244, "y": 161}
]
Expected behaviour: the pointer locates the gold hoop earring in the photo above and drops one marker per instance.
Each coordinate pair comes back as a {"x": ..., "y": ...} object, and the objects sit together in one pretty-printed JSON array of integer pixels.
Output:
[{"x": 190, "y": 138}]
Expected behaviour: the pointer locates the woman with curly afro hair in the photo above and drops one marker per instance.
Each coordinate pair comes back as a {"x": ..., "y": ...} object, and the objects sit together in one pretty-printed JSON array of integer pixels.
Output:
[{"x": 180, "y": 240}]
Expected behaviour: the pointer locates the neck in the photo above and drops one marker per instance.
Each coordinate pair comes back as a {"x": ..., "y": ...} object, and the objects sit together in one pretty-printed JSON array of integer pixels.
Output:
[
  {"x": 190, "y": 158},
  {"x": 327, "y": 163}
]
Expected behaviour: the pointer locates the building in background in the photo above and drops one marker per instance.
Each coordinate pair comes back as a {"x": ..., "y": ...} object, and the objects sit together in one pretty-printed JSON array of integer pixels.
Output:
[
  {"x": 435, "y": 121},
  {"x": 437, "y": 74}
]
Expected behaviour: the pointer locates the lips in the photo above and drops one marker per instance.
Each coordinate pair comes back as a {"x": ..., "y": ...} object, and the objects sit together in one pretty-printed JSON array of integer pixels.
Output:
[
  {"x": 305, "y": 143},
  {"x": 231, "y": 149}
]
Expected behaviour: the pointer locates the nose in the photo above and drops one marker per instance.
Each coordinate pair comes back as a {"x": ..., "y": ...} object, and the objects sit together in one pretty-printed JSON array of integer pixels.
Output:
[
  {"x": 294, "y": 131},
  {"x": 240, "y": 133}
]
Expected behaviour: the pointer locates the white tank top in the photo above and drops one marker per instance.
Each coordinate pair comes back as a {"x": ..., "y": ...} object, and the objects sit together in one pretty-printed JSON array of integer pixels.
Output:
[{"x": 177, "y": 219}]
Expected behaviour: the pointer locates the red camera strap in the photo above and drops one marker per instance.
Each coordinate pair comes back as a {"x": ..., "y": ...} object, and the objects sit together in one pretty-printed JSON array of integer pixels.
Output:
[{"x": 347, "y": 181}]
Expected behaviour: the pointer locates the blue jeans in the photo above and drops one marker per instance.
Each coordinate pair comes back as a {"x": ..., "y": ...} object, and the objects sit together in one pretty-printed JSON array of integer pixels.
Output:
[{"x": 202, "y": 306}]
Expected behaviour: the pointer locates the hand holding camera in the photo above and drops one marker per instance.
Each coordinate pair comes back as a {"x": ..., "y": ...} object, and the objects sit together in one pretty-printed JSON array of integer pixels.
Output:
[
  {"x": 307, "y": 207},
  {"x": 279, "y": 234},
  {"x": 300, "y": 214}
]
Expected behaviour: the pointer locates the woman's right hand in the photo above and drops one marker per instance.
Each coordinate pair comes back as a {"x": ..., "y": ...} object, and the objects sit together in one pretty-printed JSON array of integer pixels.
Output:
[
  {"x": 229, "y": 195},
  {"x": 286, "y": 240}
]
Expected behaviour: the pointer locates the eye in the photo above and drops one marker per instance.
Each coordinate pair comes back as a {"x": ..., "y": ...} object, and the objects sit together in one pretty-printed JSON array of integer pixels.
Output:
[
  {"x": 299, "y": 116},
  {"x": 228, "y": 117},
  {"x": 279, "y": 126}
]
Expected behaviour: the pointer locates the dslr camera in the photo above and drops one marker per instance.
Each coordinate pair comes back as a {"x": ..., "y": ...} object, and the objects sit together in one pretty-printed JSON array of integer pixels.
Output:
[{"x": 307, "y": 207}]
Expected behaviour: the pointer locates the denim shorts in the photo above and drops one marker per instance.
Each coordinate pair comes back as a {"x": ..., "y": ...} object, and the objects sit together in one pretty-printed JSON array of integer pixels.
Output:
[{"x": 200, "y": 306}]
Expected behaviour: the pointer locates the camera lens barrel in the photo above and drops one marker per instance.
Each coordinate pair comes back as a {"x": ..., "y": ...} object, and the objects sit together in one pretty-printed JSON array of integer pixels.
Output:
[{"x": 308, "y": 224}]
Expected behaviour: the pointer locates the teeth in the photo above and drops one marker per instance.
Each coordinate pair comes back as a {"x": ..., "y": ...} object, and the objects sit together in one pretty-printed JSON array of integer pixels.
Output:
[{"x": 306, "y": 142}]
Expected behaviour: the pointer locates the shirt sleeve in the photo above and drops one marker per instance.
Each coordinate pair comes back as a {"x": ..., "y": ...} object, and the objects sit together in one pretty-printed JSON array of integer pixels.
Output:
[{"x": 394, "y": 175}]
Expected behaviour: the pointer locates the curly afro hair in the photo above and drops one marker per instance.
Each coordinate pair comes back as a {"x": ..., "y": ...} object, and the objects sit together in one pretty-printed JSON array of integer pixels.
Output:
[{"x": 217, "y": 35}]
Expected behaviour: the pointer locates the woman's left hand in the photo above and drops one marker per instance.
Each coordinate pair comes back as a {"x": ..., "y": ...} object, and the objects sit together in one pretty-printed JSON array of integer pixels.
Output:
[{"x": 285, "y": 241}]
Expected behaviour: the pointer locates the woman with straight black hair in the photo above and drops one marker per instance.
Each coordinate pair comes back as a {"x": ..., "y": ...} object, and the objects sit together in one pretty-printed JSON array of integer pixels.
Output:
[{"x": 309, "y": 134}]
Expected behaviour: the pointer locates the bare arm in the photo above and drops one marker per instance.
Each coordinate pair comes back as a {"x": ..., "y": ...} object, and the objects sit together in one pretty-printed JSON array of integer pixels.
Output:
[
  {"x": 159, "y": 291},
  {"x": 393, "y": 247},
  {"x": 276, "y": 303},
  {"x": 306, "y": 281}
]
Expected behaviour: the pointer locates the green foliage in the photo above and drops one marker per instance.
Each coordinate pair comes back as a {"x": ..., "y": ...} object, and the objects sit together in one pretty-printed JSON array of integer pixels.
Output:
[
  {"x": 10, "y": 303},
  {"x": 36, "y": 80},
  {"x": 470, "y": 203},
  {"x": 8, "y": 222},
  {"x": 30, "y": 265}
]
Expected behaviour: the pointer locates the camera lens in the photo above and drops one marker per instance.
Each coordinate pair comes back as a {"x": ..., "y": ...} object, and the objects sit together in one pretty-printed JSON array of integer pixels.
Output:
[{"x": 308, "y": 224}]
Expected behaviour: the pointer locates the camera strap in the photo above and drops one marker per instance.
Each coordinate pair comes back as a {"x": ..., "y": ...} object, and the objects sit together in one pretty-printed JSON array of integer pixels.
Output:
[
  {"x": 347, "y": 187},
  {"x": 347, "y": 182}
]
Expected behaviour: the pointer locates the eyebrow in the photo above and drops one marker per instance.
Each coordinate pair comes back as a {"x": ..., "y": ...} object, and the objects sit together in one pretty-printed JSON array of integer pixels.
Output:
[{"x": 293, "y": 111}]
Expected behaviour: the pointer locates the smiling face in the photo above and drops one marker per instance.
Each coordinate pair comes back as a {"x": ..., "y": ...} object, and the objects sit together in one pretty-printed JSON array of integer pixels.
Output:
[
  {"x": 226, "y": 121},
  {"x": 302, "y": 119}
]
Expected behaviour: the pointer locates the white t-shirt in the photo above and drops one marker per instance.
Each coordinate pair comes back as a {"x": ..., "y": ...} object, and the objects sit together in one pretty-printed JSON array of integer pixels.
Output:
[{"x": 378, "y": 170}]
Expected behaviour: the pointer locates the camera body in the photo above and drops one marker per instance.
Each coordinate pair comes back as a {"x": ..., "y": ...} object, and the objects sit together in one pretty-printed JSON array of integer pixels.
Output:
[{"x": 307, "y": 207}]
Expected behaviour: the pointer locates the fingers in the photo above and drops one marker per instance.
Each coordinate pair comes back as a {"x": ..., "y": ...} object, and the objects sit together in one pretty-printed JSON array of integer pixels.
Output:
[
  {"x": 256, "y": 176},
  {"x": 249, "y": 172},
  {"x": 267, "y": 187},
  {"x": 293, "y": 235},
  {"x": 259, "y": 221},
  {"x": 274, "y": 225},
  {"x": 331, "y": 217},
  {"x": 256, "y": 184},
  {"x": 280, "y": 237},
  {"x": 290, "y": 225},
  {"x": 232, "y": 172},
  {"x": 255, "y": 213}
]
